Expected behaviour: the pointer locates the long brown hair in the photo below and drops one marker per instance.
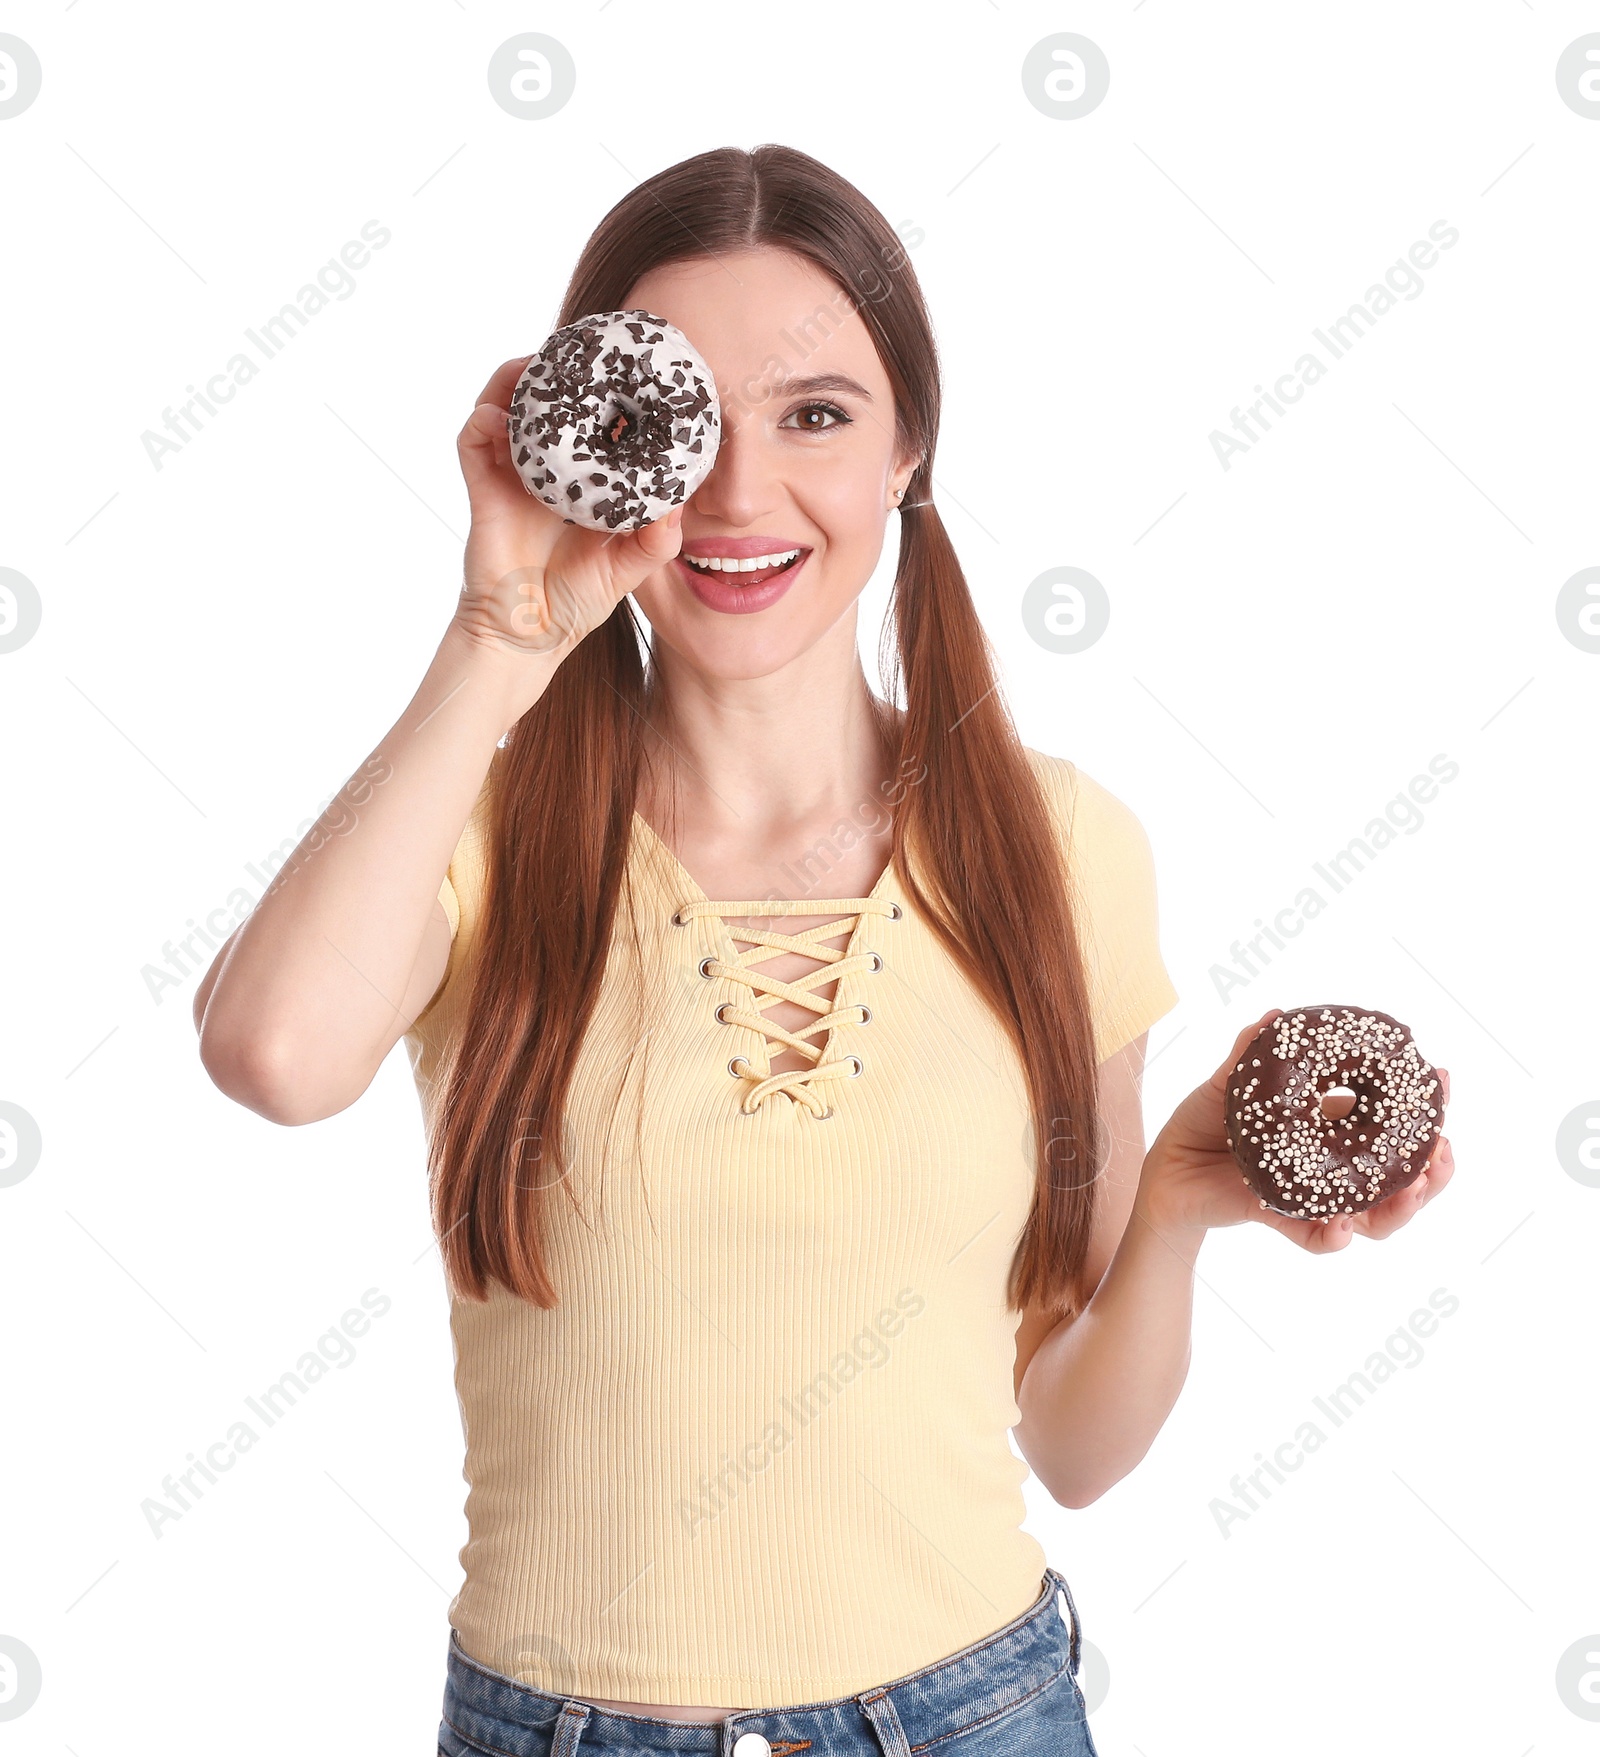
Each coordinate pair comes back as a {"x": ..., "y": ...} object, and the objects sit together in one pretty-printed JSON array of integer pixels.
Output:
[{"x": 997, "y": 895}]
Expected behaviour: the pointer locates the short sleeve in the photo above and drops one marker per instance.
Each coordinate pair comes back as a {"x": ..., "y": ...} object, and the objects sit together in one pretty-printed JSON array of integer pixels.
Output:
[
  {"x": 452, "y": 906},
  {"x": 459, "y": 892},
  {"x": 1112, "y": 875}
]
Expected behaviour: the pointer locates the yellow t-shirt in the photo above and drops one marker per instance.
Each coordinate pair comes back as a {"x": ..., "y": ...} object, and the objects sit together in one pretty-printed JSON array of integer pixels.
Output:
[{"x": 759, "y": 1453}]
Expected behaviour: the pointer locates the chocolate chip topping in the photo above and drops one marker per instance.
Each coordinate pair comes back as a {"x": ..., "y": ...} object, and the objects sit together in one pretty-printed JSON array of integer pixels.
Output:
[{"x": 615, "y": 421}]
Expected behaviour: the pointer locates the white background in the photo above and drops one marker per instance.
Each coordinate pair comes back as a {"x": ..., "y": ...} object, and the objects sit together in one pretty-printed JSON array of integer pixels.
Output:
[{"x": 1291, "y": 640}]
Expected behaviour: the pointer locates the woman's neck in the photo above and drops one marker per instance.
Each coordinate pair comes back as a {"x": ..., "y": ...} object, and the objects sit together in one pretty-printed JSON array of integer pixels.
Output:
[{"x": 755, "y": 760}]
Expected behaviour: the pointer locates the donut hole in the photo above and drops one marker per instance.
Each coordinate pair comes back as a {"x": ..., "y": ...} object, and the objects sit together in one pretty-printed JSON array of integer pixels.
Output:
[
  {"x": 623, "y": 418},
  {"x": 1337, "y": 1103},
  {"x": 633, "y": 430}
]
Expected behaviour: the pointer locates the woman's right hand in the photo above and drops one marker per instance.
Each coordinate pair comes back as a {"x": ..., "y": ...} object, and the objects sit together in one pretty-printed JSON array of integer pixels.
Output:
[
  {"x": 1190, "y": 1182},
  {"x": 533, "y": 584}
]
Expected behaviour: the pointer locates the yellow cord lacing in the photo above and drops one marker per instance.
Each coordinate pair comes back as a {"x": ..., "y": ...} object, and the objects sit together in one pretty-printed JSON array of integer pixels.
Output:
[{"x": 835, "y": 964}]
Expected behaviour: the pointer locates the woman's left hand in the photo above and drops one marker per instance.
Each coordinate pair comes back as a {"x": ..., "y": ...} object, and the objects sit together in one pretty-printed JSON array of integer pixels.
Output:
[{"x": 1189, "y": 1181}]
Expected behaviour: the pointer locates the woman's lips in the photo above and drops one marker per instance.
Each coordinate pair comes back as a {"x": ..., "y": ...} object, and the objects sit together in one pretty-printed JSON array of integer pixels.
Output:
[{"x": 715, "y": 591}]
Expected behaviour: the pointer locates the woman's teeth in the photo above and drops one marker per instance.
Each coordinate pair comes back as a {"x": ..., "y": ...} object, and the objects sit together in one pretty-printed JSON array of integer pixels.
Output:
[{"x": 749, "y": 564}]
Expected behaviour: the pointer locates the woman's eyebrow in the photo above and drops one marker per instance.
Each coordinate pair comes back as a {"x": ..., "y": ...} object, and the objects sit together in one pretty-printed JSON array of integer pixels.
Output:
[{"x": 836, "y": 382}]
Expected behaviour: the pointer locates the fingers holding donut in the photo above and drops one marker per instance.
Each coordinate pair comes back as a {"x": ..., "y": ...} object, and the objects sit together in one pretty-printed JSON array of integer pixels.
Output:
[
  {"x": 578, "y": 462},
  {"x": 1377, "y": 1222},
  {"x": 1392, "y": 1213},
  {"x": 493, "y": 490},
  {"x": 483, "y": 445},
  {"x": 1198, "y": 1126},
  {"x": 503, "y": 380},
  {"x": 1311, "y": 1235}
]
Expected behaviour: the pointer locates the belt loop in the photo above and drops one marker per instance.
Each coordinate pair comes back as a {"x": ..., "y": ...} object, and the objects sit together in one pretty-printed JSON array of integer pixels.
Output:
[
  {"x": 879, "y": 1710},
  {"x": 1075, "y": 1643},
  {"x": 570, "y": 1722}
]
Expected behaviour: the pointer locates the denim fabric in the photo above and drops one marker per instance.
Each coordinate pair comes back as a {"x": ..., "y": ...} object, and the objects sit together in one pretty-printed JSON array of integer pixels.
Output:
[{"x": 1010, "y": 1694}]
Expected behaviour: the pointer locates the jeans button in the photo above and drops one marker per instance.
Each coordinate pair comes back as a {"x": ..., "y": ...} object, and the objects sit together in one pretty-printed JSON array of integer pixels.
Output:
[{"x": 751, "y": 1745}]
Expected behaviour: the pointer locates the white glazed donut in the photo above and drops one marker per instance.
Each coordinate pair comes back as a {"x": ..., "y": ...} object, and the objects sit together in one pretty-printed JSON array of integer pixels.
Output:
[{"x": 615, "y": 420}]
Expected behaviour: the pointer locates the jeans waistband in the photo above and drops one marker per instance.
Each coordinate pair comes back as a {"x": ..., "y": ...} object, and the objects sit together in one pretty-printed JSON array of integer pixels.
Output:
[{"x": 961, "y": 1691}]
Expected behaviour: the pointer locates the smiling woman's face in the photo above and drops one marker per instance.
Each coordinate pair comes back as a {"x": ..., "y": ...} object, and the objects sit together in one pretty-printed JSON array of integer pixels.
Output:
[{"x": 806, "y": 462}]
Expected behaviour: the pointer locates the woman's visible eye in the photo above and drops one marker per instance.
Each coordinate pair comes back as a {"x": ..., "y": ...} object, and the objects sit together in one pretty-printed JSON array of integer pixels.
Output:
[{"x": 840, "y": 417}]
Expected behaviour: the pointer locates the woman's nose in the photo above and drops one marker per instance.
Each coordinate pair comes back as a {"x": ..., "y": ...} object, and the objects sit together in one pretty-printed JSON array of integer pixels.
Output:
[{"x": 740, "y": 486}]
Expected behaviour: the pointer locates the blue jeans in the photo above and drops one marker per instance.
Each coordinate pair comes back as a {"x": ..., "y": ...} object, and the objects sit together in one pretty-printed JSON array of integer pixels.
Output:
[{"x": 1010, "y": 1694}]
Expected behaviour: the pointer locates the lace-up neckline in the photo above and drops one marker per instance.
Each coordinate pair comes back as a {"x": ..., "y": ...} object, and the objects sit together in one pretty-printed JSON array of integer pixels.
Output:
[{"x": 815, "y": 1040}]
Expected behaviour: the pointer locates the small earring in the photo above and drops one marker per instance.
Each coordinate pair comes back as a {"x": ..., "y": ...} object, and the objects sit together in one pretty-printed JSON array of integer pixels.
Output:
[{"x": 898, "y": 493}]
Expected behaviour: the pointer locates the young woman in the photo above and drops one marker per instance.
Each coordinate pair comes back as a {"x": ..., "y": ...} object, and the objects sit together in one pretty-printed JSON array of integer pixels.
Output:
[{"x": 780, "y": 1050}]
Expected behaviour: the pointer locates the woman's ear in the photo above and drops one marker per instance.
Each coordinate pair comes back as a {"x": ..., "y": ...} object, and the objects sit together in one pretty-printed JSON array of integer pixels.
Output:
[{"x": 900, "y": 481}]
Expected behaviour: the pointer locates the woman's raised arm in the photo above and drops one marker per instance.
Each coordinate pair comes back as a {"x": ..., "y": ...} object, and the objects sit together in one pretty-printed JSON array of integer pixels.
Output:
[
  {"x": 338, "y": 957},
  {"x": 325, "y": 975}
]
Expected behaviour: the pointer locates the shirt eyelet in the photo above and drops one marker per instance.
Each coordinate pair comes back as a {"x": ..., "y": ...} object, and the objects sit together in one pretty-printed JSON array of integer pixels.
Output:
[
  {"x": 709, "y": 958},
  {"x": 860, "y": 1065},
  {"x": 877, "y": 963},
  {"x": 733, "y": 1062},
  {"x": 722, "y": 1007},
  {"x": 866, "y": 1014},
  {"x": 895, "y": 912}
]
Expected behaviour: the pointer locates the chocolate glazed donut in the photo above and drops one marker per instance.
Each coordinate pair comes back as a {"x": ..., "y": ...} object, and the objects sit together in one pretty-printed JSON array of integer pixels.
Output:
[{"x": 1331, "y": 1109}]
